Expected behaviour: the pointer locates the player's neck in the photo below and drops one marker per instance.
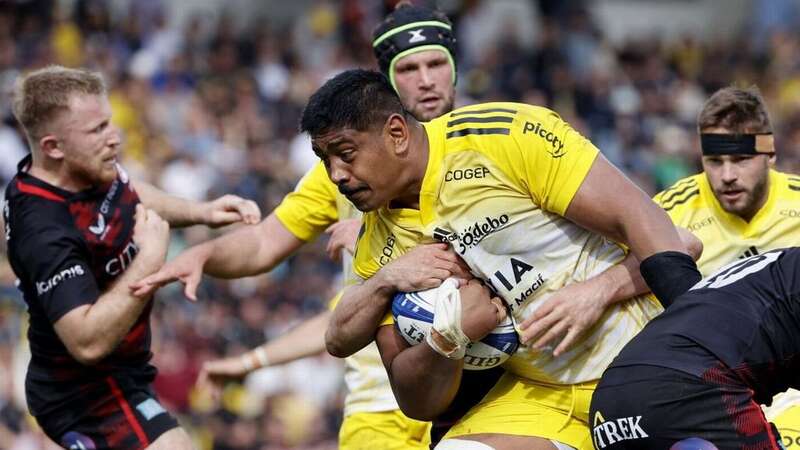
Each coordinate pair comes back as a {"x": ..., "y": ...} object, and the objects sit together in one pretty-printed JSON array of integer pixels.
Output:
[
  {"x": 747, "y": 216},
  {"x": 418, "y": 165},
  {"x": 56, "y": 174}
]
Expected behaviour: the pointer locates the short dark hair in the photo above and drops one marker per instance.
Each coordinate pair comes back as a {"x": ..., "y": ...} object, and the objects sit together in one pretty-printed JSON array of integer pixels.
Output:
[
  {"x": 354, "y": 99},
  {"x": 740, "y": 110}
]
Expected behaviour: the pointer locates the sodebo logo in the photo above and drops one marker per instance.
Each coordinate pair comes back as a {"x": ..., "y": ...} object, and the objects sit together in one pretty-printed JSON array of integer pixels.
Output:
[
  {"x": 66, "y": 274},
  {"x": 473, "y": 234}
]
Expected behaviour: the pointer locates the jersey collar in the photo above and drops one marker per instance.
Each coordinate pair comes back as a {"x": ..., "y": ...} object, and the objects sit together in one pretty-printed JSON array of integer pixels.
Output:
[
  {"x": 745, "y": 229},
  {"x": 429, "y": 192},
  {"x": 24, "y": 176}
]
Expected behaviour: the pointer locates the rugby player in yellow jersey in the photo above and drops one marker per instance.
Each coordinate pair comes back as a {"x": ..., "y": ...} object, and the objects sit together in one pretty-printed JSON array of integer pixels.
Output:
[
  {"x": 515, "y": 191},
  {"x": 739, "y": 206},
  {"x": 414, "y": 47}
]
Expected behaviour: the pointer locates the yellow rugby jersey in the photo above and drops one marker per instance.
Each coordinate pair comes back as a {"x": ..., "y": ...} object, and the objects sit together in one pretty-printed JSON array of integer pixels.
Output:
[
  {"x": 499, "y": 178},
  {"x": 691, "y": 204},
  {"x": 313, "y": 206}
]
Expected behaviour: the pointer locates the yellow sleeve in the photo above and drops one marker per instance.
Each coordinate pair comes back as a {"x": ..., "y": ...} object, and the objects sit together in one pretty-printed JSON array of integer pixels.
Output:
[
  {"x": 311, "y": 207},
  {"x": 388, "y": 319},
  {"x": 552, "y": 158},
  {"x": 674, "y": 198}
]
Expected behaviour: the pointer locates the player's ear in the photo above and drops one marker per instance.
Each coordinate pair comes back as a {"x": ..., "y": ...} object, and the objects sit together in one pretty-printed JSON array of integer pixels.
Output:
[
  {"x": 51, "y": 147},
  {"x": 771, "y": 160},
  {"x": 396, "y": 131}
]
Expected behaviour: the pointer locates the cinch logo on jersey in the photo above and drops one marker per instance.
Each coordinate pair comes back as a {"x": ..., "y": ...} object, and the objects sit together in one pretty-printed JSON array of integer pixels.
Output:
[
  {"x": 109, "y": 196},
  {"x": 119, "y": 263},
  {"x": 66, "y": 274},
  {"x": 466, "y": 174},
  {"x": 608, "y": 432},
  {"x": 556, "y": 144},
  {"x": 388, "y": 250},
  {"x": 100, "y": 228},
  {"x": 473, "y": 234}
]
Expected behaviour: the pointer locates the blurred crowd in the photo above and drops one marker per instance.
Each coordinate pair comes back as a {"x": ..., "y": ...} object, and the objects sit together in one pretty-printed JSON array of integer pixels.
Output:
[{"x": 210, "y": 106}]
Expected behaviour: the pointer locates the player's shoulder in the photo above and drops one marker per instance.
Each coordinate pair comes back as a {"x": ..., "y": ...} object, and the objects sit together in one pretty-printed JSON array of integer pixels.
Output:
[
  {"x": 684, "y": 194},
  {"x": 789, "y": 185},
  {"x": 36, "y": 204},
  {"x": 496, "y": 113},
  {"x": 35, "y": 212},
  {"x": 495, "y": 128},
  {"x": 490, "y": 119}
]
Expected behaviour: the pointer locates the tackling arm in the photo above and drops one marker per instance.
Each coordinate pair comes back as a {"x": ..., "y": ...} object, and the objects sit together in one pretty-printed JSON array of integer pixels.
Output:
[
  {"x": 246, "y": 251},
  {"x": 180, "y": 212}
]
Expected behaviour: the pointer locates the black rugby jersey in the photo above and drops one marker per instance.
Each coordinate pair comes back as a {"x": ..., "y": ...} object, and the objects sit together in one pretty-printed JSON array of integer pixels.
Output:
[
  {"x": 66, "y": 249},
  {"x": 745, "y": 318}
]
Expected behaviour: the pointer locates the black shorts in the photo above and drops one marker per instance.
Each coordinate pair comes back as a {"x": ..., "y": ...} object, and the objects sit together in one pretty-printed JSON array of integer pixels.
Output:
[
  {"x": 117, "y": 414},
  {"x": 648, "y": 407}
]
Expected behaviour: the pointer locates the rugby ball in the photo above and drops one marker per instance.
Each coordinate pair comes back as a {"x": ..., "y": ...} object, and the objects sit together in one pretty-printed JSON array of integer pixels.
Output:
[{"x": 413, "y": 318}]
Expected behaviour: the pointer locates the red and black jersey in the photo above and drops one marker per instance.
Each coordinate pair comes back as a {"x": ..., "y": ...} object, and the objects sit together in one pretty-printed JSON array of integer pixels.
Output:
[
  {"x": 66, "y": 250},
  {"x": 743, "y": 322}
]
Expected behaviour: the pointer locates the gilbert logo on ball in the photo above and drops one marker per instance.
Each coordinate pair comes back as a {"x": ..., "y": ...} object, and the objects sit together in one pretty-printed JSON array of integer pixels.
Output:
[{"x": 413, "y": 317}]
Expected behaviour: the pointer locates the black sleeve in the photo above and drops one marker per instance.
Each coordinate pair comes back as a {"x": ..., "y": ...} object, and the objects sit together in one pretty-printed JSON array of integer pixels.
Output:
[
  {"x": 669, "y": 274},
  {"x": 55, "y": 263}
]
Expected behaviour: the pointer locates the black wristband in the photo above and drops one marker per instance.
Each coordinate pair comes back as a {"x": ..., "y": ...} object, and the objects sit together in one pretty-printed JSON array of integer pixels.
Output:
[{"x": 669, "y": 274}]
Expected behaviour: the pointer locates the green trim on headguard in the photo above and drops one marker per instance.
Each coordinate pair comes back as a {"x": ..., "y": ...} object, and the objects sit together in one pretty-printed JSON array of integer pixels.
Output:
[
  {"x": 425, "y": 23},
  {"x": 411, "y": 30}
]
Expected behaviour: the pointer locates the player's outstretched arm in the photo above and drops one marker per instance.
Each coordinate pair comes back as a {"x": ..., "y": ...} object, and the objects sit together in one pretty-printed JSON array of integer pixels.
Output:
[
  {"x": 304, "y": 340},
  {"x": 246, "y": 251},
  {"x": 91, "y": 332},
  {"x": 608, "y": 203},
  {"x": 180, "y": 212},
  {"x": 425, "y": 377},
  {"x": 356, "y": 317}
]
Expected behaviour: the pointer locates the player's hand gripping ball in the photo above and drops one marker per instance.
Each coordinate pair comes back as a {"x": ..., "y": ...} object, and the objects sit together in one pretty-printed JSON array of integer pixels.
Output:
[{"x": 413, "y": 317}]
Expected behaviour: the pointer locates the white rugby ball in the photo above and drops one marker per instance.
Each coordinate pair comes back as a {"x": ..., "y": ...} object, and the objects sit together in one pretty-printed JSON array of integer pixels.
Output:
[{"x": 413, "y": 317}]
